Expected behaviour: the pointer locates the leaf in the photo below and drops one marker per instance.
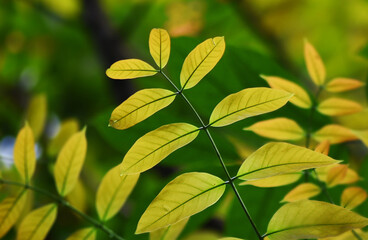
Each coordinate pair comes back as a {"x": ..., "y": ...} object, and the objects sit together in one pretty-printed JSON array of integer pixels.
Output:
[
  {"x": 338, "y": 107},
  {"x": 171, "y": 232},
  {"x": 67, "y": 129},
  {"x": 202, "y": 235},
  {"x": 348, "y": 236},
  {"x": 315, "y": 66},
  {"x": 156, "y": 145},
  {"x": 334, "y": 134},
  {"x": 336, "y": 174},
  {"x": 278, "y": 128},
  {"x": 129, "y": 69},
  {"x": 301, "y": 192},
  {"x": 113, "y": 192},
  {"x": 10, "y": 210},
  {"x": 300, "y": 99},
  {"x": 230, "y": 238},
  {"x": 140, "y": 106},
  {"x": 274, "y": 181},
  {"x": 84, "y": 234},
  {"x": 352, "y": 197},
  {"x": 323, "y": 147},
  {"x": 183, "y": 197},
  {"x": 24, "y": 153},
  {"x": 69, "y": 162},
  {"x": 350, "y": 177},
  {"x": 36, "y": 114},
  {"x": 247, "y": 103},
  {"x": 295, "y": 221},
  {"x": 37, "y": 223},
  {"x": 201, "y": 60},
  {"x": 362, "y": 135},
  {"x": 159, "y": 45},
  {"x": 78, "y": 197},
  {"x": 242, "y": 149},
  {"x": 278, "y": 158},
  {"x": 343, "y": 84}
]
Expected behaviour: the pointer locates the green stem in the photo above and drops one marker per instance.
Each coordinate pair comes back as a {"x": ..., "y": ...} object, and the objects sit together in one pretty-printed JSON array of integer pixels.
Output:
[
  {"x": 230, "y": 179},
  {"x": 61, "y": 201}
]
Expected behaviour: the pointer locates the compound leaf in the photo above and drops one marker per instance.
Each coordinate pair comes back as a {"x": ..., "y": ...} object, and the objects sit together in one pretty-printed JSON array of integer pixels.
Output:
[
  {"x": 159, "y": 46},
  {"x": 129, "y": 69},
  {"x": 315, "y": 66}
]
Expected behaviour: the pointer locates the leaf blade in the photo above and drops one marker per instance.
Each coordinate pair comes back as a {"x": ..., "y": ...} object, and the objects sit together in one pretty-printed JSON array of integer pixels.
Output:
[
  {"x": 129, "y": 69},
  {"x": 343, "y": 84},
  {"x": 301, "y": 192},
  {"x": 315, "y": 66},
  {"x": 352, "y": 197},
  {"x": 88, "y": 233},
  {"x": 338, "y": 107},
  {"x": 334, "y": 134},
  {"x": 171, "y": 232},
  {"x": 159, "y": 45}
]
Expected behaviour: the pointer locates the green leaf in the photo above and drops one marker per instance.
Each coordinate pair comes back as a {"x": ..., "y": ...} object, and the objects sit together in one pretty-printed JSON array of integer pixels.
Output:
[
  {"x": 159, "y": 45},
  {"x": 129, "y": 69}
]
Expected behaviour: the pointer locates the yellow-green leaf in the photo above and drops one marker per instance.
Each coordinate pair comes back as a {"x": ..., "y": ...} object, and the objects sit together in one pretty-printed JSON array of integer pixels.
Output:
[
  {"x": 78, "y": 197},
  {"x": 129, "y": 69},
  {"x": 315, "y": 66},
  {"x": 295, "y": 221},
  {"x": 349, "y": 236},
  {"x": 10, "y": 210},
  {"x": 113, "y": 192},
  {"x": 300, "y": 98},
  {"x": 363, "y": 136},
  {"x": 156, "y": 145},
  {"x": 336, "y": 174},
  {"x": 274, "y": 181},
  {"x": 302, "y": 192},
  {"x": 69, "y": 162},
  {"x": 230, "y": 238},
  {"x": 183, "y": 197},
  {"x": 343, "y": 84},
  {"x": 278, "y": 158},
  {"x": 140, "y": 106},
  {"x": 37, "y": 113},
  {"x": 24, "y": 153},
  {"x": 159, "y": 45},
  {"x": 247, "y": 103},
  {"x": 37, "y": 223},
  {"x": 201, "y": 61},
  {"x": 323, "y": 147},
  {"x": 350, "y": 177},
  {"x": 83, "y": 234},
  {"x": 278, "y": 128},
  {"x": 338, "y": 107},
  {"x": 352, "y": 197},
  {"x": 334, "y": 134},
  {"x": 171, "y": 232},
  {"x": 67, "y": 129}
]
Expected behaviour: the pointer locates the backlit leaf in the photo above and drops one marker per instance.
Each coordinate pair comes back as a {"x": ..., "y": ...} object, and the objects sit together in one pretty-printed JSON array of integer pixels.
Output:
[
  {"x": 183, "y": 197},
  {"x": 315, "y": 66},
  {"x": 323, "y": 147},
  {"x": 278, "y": 128},
  {"x": 159, "y": 45},
  {"x": 338, "y": 107},
  {"x": 274, "y": 181},
  {"x": 129, "y": 69},
  {"x": 37, "y": 223},
  {"x": 348, "y": 236},
  {"x": 350, "y": 177},
  {"x": 36, "y": 114},
  {"x": 334, "y": 134},
  {"x": 247, "y": 103},
  {"x": 83, "y": 234},
  {"x": 336, "y": 174},
  {"x": 140, "y": 106},
  {"x": 300, "y": 98},
  {"x": 24, "y": 153},
  {"x": 67, "y": 129},
  {"x": 171, "y": 232},
  {"x": 278, "y": 158},
  {"x": 343, "y": 84},
  {"x": 69, "y": 162},
  {"x": 363, "y": 136},
  {"x": 78, "y": 197},
  {"x": 113, "y": 192},
  {"x": 352, "y": 197},
  {"x": 201, "y": 60},
  {"x": 295, "y": 221},
  {"x": 302, "y": 192},
  {"x": 156, "y": 145}
]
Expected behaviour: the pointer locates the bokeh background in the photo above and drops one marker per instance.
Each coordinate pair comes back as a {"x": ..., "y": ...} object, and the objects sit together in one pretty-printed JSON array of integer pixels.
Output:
[{"x": 53, "y": 57}]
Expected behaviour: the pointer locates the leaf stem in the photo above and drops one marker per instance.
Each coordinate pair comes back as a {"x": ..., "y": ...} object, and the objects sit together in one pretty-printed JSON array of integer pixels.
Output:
[{"x": 230, "y": 179}]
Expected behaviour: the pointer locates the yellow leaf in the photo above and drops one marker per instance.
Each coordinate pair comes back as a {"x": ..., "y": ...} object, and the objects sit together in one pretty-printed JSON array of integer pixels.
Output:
[
  {"x": 159, "y": 45},
  {"x": 300, "y": 98},
  {"x": 302, "y": 192},
  {"x": 201, "y": 60},
  {"x": 140, "y": 106},
  {"x": 323, "y": 147},
  {"x": 183, "y": 197},
  {"x": 10, "y": 210},
  {"x": 343, "y": 84},
  {"x": 315, "y": 66},
  {"x": 336, "y": 174},
  {"x": 338, "y": 107},
  {"x": 352, "y": 197},
  {"x": 274, "y": 181},
  {"x": 295, "y": 221},
  {"x": 334, "y": 134},
  {"x": 247, "y": 103},
  {"x": 171, "y": 232},
  {"x": 37, "y": 113},
  {"x": 156, "y": 145},
  {"x": 37, "y": 223},
  {"x": 24, "y": 153},
  {"x": 78, "y": 197},
  {"x": 113, "y": 192},
  {"x": 278, "y": 128},
  {"x": 129, "y": 69},
  {"x": 67, "y": 129},
  {"x": 69, "y": 162},
  {"x": 83, "y": 234},
  {"x": 350, "y": 177},
  {"x": 278, "y": 158}
]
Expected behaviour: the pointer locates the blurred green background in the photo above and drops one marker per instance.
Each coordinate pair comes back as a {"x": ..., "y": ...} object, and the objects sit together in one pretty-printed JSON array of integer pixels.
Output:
[{"x": 61, "y": 49}]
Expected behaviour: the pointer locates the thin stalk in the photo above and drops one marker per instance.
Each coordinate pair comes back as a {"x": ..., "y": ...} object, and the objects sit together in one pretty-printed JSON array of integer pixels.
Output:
[
  {"x": 230, "y": 179},
  {"x": 61, "y": 201}
]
